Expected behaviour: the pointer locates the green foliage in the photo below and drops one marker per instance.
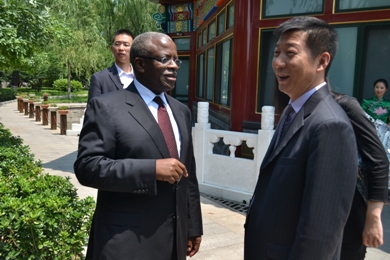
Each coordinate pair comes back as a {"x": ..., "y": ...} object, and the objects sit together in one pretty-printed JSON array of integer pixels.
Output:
[
  {"x": 24, "y": 29},
  {"x": 62, "y": 85},
  {"x": 115, "y": 15},
  {"x": 51, "y": 39},
  {"x": 62, "y": 108},
  {"x": 7, "y": 94},
  {"x": 41, "y": 216}
]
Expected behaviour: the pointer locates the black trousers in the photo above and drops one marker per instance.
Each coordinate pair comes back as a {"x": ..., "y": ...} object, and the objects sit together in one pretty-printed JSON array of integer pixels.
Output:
[{"x": 353, "y": 248}]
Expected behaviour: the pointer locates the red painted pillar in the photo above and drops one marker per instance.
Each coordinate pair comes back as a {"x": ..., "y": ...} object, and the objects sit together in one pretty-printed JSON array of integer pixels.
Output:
[{"x": 241, "y": 60}]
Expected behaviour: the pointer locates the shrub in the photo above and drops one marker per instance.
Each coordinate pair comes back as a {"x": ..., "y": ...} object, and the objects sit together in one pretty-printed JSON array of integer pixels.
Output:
[
  {"x": 62, "y": 85},
  {"x": 41, "y": 216},
  {"x": 7, "y": 94}
]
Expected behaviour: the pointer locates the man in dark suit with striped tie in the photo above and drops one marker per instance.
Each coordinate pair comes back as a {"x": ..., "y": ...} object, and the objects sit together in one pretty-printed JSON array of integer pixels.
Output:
[
  {"x": 308, "y": 176},
  {"x": 136, "y": 149}
]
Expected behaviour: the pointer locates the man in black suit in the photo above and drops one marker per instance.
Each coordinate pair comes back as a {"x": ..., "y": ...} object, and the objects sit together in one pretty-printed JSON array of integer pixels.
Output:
[
  {"x": 308, "y": 175},
  {"x": 120, "y": 74},
  {"x": 148, "y": 204}
]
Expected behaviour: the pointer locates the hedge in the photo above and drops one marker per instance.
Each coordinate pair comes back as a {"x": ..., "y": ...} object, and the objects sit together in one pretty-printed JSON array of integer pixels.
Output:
[
  {"x": 41, "y": 216},
  {"x": 7, "y": 94},
  {"x": 62, "y": 85}
]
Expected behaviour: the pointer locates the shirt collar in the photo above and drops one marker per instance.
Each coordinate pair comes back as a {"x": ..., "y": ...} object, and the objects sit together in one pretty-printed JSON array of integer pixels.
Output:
[
  {"x": 299, "y": 102},
  {"x": 120, "y": 71},
  {"x": 146, "y": 94}
]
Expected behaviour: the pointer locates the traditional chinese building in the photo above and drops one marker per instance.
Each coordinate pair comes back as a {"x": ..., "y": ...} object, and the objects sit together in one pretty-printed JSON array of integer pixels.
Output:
[{"x": 227, "y": 48}]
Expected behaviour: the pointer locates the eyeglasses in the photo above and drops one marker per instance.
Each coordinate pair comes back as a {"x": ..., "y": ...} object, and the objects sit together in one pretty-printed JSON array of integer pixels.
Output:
[{"x": 163, "y": 60}]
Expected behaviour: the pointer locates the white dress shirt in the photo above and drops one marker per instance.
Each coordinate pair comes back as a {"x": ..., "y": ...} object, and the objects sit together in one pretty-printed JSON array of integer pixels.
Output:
[{"x": 148, "y": 96}]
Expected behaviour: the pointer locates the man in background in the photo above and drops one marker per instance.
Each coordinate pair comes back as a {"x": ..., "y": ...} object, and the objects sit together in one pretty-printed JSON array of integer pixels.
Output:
[{"x": 120, "y": 74}]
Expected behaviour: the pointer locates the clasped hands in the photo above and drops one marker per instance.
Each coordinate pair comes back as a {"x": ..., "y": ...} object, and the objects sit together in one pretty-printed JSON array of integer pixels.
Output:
[{"x": 170, "y": 170}]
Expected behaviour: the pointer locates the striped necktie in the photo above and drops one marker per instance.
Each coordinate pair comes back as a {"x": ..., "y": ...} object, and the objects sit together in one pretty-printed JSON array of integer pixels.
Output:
[
  {"x": 165, "y": 125},
  {"x": 285, "y": 123}
]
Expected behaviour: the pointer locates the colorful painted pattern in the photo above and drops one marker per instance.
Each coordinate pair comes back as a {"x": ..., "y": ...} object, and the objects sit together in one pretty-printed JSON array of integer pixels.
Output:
[
  {"x": 180, "y": 12},
  {"x": 179, "y": 26},
  {"x": 204, "y": 9},
  {"x": 185, "y": 17}
]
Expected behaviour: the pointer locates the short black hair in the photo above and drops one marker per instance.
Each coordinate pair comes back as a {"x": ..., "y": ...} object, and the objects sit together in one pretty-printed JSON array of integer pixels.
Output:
[
  {"x": 122, "y": 31},
  {"x": 320, "y": 36},
  {"x": 383, "y": 81}
]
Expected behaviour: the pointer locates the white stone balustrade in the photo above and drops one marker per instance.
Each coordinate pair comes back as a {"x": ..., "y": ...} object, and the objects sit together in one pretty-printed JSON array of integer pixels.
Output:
[{"x": 228, "y": 177}]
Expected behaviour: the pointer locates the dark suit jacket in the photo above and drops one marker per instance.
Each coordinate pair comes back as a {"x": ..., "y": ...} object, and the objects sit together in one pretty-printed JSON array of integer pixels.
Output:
[
  {"x": 104, "y": 81},
  {"x": 305, "y": 188},
  {"x": 136, "y": 217},
  {"x": 374, "y": 156}
]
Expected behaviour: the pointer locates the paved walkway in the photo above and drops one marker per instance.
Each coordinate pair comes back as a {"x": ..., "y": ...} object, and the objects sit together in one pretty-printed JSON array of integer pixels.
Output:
[{"x": 223, "y": 227}]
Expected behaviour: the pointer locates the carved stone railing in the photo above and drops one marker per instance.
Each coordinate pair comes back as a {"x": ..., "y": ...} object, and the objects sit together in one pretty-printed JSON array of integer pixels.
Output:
[{"x": 229, "y": 177}]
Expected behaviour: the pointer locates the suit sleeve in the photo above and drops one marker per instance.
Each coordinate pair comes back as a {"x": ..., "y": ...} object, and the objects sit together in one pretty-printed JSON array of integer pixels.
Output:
[
  {"x": 329, "y": 187},
  {"x": 95, "y": 88},
  {"x": 97, "y": 165},
  {"x": 370, "y": 148}
]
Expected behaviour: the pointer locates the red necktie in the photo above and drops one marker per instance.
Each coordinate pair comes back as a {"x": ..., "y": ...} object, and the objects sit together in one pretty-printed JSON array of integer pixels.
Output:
[{"x": 166, "y": 127}]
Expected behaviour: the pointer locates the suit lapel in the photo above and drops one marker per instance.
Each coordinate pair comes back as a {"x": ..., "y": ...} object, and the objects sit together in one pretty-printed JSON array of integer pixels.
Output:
[
  {"x": 141, "y": 113},
  {"x": 114, "y": 76},
  {"x": 295, "y": 126}
]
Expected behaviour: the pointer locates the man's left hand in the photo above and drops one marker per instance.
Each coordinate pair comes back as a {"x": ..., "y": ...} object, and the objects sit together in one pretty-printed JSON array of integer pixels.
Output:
[{"x": 193, "y": 245}]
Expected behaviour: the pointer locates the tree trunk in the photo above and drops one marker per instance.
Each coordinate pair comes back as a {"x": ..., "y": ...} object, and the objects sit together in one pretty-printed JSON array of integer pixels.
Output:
[
  {"x": 69, "y": 95},
  {"x": 15, "y": 78}
]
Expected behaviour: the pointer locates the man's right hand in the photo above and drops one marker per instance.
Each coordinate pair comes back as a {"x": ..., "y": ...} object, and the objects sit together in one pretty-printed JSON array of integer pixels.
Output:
[{"x": 170, "y": 170}]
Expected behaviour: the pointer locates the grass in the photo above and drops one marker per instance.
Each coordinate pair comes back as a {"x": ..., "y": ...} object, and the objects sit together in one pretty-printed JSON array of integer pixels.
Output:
[{"x": 76, "y": 97}]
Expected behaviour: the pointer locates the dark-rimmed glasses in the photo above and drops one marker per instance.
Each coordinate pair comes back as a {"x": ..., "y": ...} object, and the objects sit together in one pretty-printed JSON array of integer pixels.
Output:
[{"x": 163, "y": 60}]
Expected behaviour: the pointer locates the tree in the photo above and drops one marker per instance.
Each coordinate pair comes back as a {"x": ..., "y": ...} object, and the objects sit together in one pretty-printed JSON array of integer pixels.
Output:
[
  {"x": 24, "y": 29},
  {"x": 71, "y": 36},
  {"x": 84, "y": 48},
  {"x": 135, "y": 15}
]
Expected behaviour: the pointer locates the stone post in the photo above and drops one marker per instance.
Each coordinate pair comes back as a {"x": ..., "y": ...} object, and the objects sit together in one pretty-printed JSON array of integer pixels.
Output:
[
  {"x": 37, "y": 111},
  {"x": 53, "y": 118},
  {"x": 45, "y": 114},
  {"x": 20, "y": 104},
  {"x": 25, "y": 104},
  {"x": 63, "y": 124},
  {"x": 267, "y": 117},
  {"x": 31, "y": 104},
  {"x": 199, "y": 136}
]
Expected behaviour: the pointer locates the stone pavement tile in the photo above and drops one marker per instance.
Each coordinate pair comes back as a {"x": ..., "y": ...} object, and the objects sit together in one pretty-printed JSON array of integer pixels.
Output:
[
  {"x": 376, "y": 254},
  {"x": 223, "y": 232},
  {"x": 221, "y": 253}
]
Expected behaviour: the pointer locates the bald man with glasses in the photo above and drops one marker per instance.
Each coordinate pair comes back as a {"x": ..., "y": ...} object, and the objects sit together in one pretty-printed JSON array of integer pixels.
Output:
[{"x": 136, "y": 149}]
